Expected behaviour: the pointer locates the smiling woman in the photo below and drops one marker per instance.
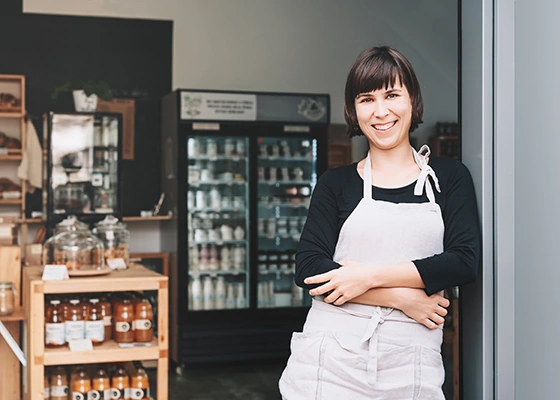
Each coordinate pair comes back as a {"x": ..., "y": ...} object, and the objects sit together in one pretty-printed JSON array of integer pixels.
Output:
[{"x": 383, "y": 238}]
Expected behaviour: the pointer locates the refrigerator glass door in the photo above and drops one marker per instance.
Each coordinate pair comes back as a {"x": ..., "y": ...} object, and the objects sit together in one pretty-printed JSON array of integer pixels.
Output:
[
  {"x": 287, "y": 174},
  {"x": 218, "y": 222}
]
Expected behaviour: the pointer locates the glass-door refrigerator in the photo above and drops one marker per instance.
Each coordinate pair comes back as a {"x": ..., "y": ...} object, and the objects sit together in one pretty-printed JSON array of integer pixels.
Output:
[
  {"x": 238, "y": 172},
  {"x": 82, "y": 166}
]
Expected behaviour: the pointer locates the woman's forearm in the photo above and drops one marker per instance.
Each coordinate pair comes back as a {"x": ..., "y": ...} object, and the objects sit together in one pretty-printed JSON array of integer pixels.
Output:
[{"x": 384, "y": 297}]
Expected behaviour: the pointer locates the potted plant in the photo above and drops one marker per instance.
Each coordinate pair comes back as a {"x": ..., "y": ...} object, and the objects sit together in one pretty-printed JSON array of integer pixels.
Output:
[{"x": 85, "y": 93}]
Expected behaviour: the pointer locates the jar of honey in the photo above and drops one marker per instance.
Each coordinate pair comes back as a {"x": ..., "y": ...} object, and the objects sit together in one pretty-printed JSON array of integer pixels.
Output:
[
  {"x": 123, "y": 331},
  {"x": 143, "y": 321},
  {"x": 101, "y": 385},
  {"x": 120, "y": 385},
  {"x": 139, "y": 385},
  {"x": 94, "y": 323},
  {"x": 54, "y": 325},
  {"x": 59, "y": 384},
  {"x": 81, "y": 386},
  {"x": 75, "y": 325},
  {"x": 107, "y": 314}
]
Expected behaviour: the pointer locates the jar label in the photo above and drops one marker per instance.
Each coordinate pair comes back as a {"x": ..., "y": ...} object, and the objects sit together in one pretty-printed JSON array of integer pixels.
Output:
[
  {"x": 46, "y": 393},
  {"x": 78, "y": 396},
  {"x": 95, "y": 395},
  {"x": 75, "y": 330},
  {"x": 55, "y": 333},
  {"x": 107, "y": 320},
  {"x": 95, "y": 330},
  {"x": 142, "y": 324},
  {"x": 117, "y": 393},
  {"x": 122, "y": 326},
  {"x": 139, "y": 394},
  {"x": 59, "y": 391}
]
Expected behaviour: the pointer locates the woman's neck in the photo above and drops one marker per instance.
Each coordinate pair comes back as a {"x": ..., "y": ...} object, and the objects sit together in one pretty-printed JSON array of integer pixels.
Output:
[{"x": 391, "y": 160}]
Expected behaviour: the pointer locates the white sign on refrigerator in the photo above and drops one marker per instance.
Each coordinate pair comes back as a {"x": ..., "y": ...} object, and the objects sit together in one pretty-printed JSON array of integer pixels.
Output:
[{"x": 218, "y": 106}]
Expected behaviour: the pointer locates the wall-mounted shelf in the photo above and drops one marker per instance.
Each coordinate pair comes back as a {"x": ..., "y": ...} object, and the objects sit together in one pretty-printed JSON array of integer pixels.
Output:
[{"x": 152, "y": 218}]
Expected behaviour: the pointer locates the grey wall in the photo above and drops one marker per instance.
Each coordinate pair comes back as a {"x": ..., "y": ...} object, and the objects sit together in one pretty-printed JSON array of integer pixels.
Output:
[{"x": 537, "y": 190}]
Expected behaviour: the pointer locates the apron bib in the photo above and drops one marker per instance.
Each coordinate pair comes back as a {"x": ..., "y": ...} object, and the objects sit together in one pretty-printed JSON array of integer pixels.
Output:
[{"x": 357, "y": 351}]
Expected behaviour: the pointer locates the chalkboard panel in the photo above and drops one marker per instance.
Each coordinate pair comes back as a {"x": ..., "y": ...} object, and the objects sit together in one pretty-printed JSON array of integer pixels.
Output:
[{"x": 134, "y": 56}]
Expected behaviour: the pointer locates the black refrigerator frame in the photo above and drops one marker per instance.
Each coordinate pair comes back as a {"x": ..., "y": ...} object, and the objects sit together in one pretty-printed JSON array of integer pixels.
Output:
[{"x": 226, "y": 334}]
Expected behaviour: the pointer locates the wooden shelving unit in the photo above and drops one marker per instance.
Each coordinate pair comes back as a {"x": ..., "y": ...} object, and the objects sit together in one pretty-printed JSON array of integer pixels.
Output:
[{"x": 135, "y": 278}]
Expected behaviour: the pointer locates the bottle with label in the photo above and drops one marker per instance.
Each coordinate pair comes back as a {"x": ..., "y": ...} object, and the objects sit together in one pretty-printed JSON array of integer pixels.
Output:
[
  {"x": 75, "y": 325},
  {"x": 220, "y": 293},
  {"x": 123, "y": 330},
  {"x": 240, "y": 298},
  {"x": 107, "y": 314},
  {"x": 101, "y": 386},
  {"x": 208, "y": 293},
  {"x": 139, "y": 385},
  {"x": 225, "y": 258},
  {"x": 59, "y": 384},
  {"x": 143, "y": 321},
  {"x": 196, "y": 289},
  {"x": 120, "y": 385},
  {"x": 81, "y": 386},
  {"x": 46, "y": 386},
  {"x": 230, "y": 295},
  {"x": 54, "y": 325},
  {"x": 213, "y": 257},
  {"x": 95, "y": 330}
]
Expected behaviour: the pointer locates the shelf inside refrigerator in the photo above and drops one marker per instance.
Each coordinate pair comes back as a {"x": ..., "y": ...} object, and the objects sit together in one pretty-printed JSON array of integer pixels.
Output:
[{"x": 215, "y": 273}]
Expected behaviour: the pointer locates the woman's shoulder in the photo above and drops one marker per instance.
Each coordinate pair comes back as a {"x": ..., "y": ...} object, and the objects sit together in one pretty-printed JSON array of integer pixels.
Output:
[
  {"x": 337, "y": 177},
  {"x": 449, "y": 169}
]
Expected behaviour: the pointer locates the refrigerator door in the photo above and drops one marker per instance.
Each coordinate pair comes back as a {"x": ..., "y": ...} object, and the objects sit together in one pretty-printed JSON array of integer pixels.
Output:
[
  {"x": 218, "y": 222},
  {"x": 287, "y": 174}
]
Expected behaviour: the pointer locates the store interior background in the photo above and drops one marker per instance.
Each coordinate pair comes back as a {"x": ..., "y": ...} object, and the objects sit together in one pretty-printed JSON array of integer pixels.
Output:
[
  {"x": 279, "y": 46},
  {"x": 286, "y": 46}
]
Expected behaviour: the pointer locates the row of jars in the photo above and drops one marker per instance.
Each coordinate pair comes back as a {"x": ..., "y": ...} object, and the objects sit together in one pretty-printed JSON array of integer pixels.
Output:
[
  {"x": 93, "y": 318},
  {"x": 197, "y": 147},
  {"x": 96, "y": 383},
  {"x": 75, "y": 246},
  {"x": 214, "y": 258},
  {"x": 208, "y": 293}
]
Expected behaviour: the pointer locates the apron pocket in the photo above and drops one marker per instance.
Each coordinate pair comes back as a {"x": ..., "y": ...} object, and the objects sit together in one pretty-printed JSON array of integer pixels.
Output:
[
  {"x": 432, "y": 374},
  {"x": 301, "y": 379},
  {"x": 396, "y": 373}
]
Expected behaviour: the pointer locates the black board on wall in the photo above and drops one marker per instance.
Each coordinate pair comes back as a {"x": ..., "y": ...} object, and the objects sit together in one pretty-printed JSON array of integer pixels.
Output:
[{"x": 134, "y": 56}]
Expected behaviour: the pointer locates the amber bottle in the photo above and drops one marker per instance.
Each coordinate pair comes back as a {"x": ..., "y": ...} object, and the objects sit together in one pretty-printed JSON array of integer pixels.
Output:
[
  {"x": 81, "y": 386},
  {"x": 54, "y": 325},
  {"x": 107, "y": 314},
  {"x": 123, "y": 329},
  {"x": 101, "y": 385},
  {"x": 94, "y": 323},
  {"x": 139, "y": 385},
  {"x": 59, "y": 384},
  {"x": 120, "y": 385},
  {"x": 143, "y": 321}
]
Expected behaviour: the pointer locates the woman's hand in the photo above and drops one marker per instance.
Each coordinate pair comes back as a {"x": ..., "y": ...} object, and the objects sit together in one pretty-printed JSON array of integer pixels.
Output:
[
  {"x": 427, "y": 310},
  {"x": 342, "y": 284}
]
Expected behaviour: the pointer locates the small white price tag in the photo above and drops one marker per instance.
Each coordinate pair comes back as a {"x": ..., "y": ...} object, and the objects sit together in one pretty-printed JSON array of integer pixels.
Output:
[
  {"x": 116, "y": 263},
  {"x": 55, "y": 273},
  {"x": 80, "y": 345}
]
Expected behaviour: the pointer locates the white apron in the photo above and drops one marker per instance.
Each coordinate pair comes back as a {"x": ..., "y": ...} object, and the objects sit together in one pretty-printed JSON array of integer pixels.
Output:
[{"x": 356, "y": 351}]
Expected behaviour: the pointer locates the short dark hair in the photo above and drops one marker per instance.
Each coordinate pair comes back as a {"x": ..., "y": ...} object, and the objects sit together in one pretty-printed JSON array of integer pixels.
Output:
[{"x": 378, "y": 68}]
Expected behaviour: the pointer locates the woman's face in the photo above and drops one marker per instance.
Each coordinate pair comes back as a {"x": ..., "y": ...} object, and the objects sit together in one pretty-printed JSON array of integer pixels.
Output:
[{"x": 384, "y": 116}]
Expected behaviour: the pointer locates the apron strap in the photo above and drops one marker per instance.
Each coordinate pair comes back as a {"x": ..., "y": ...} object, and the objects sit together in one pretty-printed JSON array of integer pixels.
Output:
[
  {"x": 425, "y": 171},
  {"x": 367, "y": 178}
]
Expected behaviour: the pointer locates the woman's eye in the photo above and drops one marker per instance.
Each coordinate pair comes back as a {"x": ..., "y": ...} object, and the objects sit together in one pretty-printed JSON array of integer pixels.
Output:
[
  {"x": 366, "y": 100},
  {"x": 391, "y": 96}
]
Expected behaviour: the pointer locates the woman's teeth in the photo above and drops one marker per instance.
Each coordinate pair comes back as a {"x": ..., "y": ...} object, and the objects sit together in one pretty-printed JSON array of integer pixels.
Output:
[{"x": 385, "y": 126}]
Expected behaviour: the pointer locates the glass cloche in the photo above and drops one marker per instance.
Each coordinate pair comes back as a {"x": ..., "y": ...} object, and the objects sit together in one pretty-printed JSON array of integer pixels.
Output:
[
  {"x": 75, "y": 246},
  {"x": 115, "y": 237}
]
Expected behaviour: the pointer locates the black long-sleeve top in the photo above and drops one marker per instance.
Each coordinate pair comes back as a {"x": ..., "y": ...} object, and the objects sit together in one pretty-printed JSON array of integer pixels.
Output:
[{"x": 338, "y": 192}]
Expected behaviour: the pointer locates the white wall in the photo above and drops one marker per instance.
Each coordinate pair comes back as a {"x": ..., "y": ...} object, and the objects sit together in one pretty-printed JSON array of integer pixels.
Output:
[
  {"x": 537, "y": 190},
  {"x": 294, "y": 45}
]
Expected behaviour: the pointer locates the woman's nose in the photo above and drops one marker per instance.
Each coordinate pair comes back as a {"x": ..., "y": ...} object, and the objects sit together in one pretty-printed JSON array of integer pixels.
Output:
[{"x": 380, "y": 109}]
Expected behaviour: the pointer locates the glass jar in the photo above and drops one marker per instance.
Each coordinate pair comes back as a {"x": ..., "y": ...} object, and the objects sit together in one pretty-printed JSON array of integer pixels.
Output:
[
  {"x": 6, "y": 298},
  {"x": 70, "y": 224},
  {"x": 115, "y": 238},
  {"x": 78, "y": 250}
]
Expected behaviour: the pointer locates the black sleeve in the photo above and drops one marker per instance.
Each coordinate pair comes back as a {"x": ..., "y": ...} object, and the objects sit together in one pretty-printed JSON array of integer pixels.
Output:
[
  {"x": 320, "y": 233},
  {"x": 459, "y": 262}
]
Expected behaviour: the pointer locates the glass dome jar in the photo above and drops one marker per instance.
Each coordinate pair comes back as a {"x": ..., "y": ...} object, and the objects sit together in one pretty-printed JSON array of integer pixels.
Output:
[
  {"x": 77, "y": 249},
  {"x": 7, "y": 292},
  {"x": 115, "y": 237},
  {"x": 69, "y": 224}
]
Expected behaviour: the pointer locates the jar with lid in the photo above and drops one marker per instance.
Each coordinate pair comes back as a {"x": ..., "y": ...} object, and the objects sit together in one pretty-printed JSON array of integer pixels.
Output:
[
  {"x": 81, "y": 386},
  {"x": 123, "y": 331},
  {"x": 120, "y": 384},
  {"x": 115, "y": 237},
  {"x": 59, "y": 384},
  {"x": 101, "y": 384},
  {"x": 139, "y": 385},
  {"x": 74, "y": 324},
  {"x": 77, "y": 249},
  {"x": 68, "y": 224},
  {"x": 7, "y": 292},
  {"x": 143, "y": 321},
  {"x": 106, "y": 311},
  {"x": 94, "y": 328},
  {"x": 55, "y": 335}
]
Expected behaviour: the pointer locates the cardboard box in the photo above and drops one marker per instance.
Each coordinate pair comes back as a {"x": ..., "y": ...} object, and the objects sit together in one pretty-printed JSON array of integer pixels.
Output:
[{"x": 33, "y": 254}]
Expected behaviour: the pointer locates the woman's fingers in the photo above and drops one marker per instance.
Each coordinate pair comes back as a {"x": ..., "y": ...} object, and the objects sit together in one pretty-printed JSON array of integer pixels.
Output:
[{"x": 318, "y": 278}]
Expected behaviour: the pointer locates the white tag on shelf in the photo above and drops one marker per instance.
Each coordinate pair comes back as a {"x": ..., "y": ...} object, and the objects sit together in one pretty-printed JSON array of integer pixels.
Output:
[
  {"x": 80, "y": 345},
  {"x": 55, "y": 273},
  {"x": 11, "y": 194},
  {"x": 116, "y": 263},
  {"x": 3, "y": 151}
]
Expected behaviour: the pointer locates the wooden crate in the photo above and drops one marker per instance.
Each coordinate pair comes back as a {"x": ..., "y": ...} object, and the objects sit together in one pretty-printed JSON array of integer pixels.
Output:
[
  {"x": 10, "y": 271},
  {"x": 135, "y": 278}
]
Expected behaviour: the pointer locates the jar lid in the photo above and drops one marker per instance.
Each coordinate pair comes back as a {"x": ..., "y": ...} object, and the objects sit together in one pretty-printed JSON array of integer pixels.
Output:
[
  {"x": 6, "y": 285},
  {"x": 71, "y": 223},
  {"x": 110, "y": 223}
]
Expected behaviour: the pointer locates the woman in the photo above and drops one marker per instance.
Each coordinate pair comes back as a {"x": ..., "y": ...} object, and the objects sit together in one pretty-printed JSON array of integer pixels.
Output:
[{"x": 383, "y": 238}]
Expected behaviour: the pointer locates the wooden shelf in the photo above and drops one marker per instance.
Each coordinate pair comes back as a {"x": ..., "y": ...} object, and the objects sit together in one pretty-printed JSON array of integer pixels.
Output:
[
  {"x": 31, "y": 221},
  {"x": 10, "y": 157},
  {"x": 10, "y": 201},
  {"x": 17, "y": 315},
  {"x": 106, "y": 352},
  {"x": 4, "y": 114},
  {"x": 152, "y": 218}
]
